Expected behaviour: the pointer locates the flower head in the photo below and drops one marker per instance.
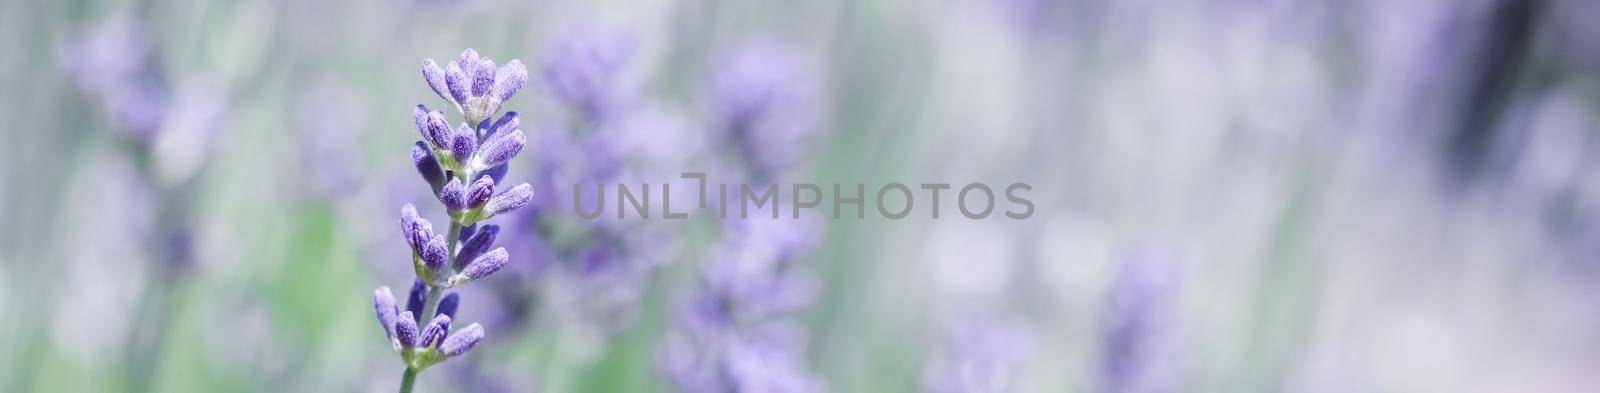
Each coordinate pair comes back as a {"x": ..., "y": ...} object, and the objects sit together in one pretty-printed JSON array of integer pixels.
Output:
[
  {"x": 461, "y": 165},
  {"x": 762, "y": 97},
  {"x": 584, "y": 71},
  {"x": 474, "y": 85}
]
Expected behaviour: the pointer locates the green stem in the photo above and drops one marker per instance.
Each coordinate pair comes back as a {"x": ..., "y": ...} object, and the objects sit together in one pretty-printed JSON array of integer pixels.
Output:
[
  {"x": 147, "y": 334},
  {"x": 408, "y": 380}
]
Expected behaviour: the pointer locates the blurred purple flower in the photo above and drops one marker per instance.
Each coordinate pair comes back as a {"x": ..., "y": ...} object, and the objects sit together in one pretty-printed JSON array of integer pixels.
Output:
[
  {"x": 603, "y": 264},
  {"x": 739, "y": 330},
  {"x": 981, "y": 355},
  {"x": 328, "y": 117},
  {"x": 115, "y": 60},
  {"x": 1137, "y": 325},
  {"x": 584, "y": 71},
  {"x": 763, "y": 103}
]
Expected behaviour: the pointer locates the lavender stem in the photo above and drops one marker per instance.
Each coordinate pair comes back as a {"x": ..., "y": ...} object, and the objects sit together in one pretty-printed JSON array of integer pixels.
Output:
[{"x": 407, "y": 380}]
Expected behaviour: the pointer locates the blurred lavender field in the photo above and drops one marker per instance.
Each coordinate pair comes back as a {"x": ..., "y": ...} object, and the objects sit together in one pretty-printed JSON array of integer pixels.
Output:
[{"x": 1229, "y": 196}]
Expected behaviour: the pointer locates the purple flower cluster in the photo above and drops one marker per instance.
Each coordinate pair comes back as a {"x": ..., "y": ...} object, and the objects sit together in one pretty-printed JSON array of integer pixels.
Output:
[
  {"x": 602, "y": 266},
  {"x": 980, "y": 355},
  {"x": 740, "y": 329},
  {"x": 762, "y": 103},
  {"x": 116, "y": 62},
  {"x": 474, "y": 85},
  {"x": 168, "y": 126},
  {"x": 462, "y": 165}
]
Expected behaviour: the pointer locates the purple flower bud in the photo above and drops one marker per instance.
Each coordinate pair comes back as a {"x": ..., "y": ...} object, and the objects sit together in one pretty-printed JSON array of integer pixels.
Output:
[
  {"x": 439, "y": 132},
  {"x": 509, "y": 200},
  {"x": 485, "y": 265},
  {"x": 458, "y": 82},
  {"x": 484, "y": 127},
  {"x": 499, "y": 149},
  {"x": 509, "y": 121},
  {"x": 417, "y": 298},
  {"x": 496, "y": 173},
  {"x": 419, "y": 235},
  {"x": 434, "y": 254},
  {"x": 467, "y": 231},
  {"x": 447, "y": 306},
  {"x": 419, "y": 115},
  {"x": 509, "y": 79},
  {"x": 415, "y": 229},
  {"x": 383, "y": 303},
  {"x": 435, "y": 77},
  {"x": 427, "y": 165},
  {"x": 463, "y": 142},
  {"x": 483, "y": 77},
  {"x": 454, "y": 195},
  {"x": 468, "y": 56},
  {"x": 406, "y": 330},
  {"x": 476, "y": 245},
  {"x": 435, "y": 331},
  {"x": 463, "y": 340},
  {"x": 480, "y": 192},
  {"x": 408, "y": 218}
]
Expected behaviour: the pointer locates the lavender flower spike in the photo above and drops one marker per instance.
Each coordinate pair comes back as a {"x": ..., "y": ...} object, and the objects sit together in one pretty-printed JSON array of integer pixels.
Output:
[
  {"x": 462, "y": 341},
  {"x": 487, "y": 264},
  {"x": 462, "y": 166}
]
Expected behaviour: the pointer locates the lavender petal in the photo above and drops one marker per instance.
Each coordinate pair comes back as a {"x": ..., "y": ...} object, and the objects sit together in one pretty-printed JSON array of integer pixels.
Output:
[
  {"x": 454, "y": 195},
  {"x": 435, "y": 77},
  {"x": 427, "y": 165},
  {"x": 383, "y": 303},
  {"x": 463, "y": 143},
  {"x": 508, "y": 201},
  {"x": 435, "y": 331},
  {"x": 476, "y": 245},
  {"x": 499, "y": 149},
  {"x": 448, "y": 305},
  {"x": 509, "y": 79},
  {"x": 459, "y": 84},
  {"x": 462, "y": 341},
  {"x": 480, "y": 192},
  {"x": 406, "y": 329},
  {"x": 417, "y": 297}
]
